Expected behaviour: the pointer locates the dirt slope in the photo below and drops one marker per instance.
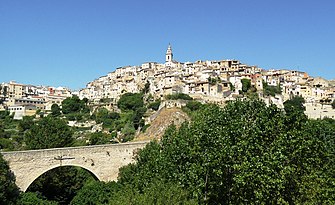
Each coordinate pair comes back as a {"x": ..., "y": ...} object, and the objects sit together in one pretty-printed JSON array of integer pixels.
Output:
[{"x": 161, "y": 120}]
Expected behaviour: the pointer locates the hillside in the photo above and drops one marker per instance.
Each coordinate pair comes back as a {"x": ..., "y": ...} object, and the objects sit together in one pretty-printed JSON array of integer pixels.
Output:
[{"x": 161, "y": 120}]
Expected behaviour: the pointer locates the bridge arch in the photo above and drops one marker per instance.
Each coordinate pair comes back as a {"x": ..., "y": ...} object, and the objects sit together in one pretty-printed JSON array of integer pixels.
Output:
[
  {"x": 103, "y": 161},
  {"x": 35, "y": 175}
]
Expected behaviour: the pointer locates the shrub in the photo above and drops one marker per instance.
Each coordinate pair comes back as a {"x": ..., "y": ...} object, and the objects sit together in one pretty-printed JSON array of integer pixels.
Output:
[
  {"x": 178, "y": 96},
  {"x": 154, "y": 105}
]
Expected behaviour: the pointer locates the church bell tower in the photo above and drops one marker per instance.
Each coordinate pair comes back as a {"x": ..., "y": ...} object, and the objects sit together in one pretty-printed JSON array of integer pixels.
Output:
[{"x": 169, "y": 55}]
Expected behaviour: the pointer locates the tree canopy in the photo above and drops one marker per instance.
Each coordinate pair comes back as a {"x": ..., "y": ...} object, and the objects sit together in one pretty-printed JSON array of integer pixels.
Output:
[
  {"x": 9, "y": 192},
  {"x": 32, "y": 198},
  {"x": 130, "y": 101},
  {"x": 296, "y": 104},
  {"x": 242, "y": 154},
  {"x": 74, "y": 105},
  {"x": 270, "y": 89},
  {"x": 246, "y": 84},
  {"x": 48, "y": 132},
  {"x": 55, "y": 110},
  {"x": 178, "y": 96}
]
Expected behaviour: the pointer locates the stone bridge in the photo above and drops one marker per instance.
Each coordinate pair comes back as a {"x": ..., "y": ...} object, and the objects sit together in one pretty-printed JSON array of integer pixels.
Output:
[{"x": 103, "y": 161}]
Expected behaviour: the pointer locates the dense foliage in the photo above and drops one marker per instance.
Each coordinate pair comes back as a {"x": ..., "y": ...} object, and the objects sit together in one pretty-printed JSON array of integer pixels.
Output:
[
  {"x": 130, "y": 101},
  {"x": 193, "y": 105},
  {"x": 178, "y": 96},
  {"x": 294, "y": 109},
  {"x": 242, "y": 154},
  {"x": 157, "y": 192},
  {"x": 55, "y": 110},
  {"x": 97, "y": 138},
  {"x": 97, "y": 193},
  {"x": 32, "y": 198},
  {"x": 106, "y": 117},
  {"x": 270, "y": 89},
  {"x": 5, "y": 142},
  {"x": 9, "y": 192},
  {"x": 154, "y": 105},
  {"x": 246, "y": 84},
  {"x": 10, "y": 137},
  {"x": 4, "y": 114},
  {"x": 74, "y": 104},
  {"x": 133, "y": 109},
  {"x": 295, "y": 104},
  {"x": 49, "y": 132}
]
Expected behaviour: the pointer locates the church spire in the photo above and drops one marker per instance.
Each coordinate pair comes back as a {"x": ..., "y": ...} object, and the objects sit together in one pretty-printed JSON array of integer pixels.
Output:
[{"x": 169, "y": 54}]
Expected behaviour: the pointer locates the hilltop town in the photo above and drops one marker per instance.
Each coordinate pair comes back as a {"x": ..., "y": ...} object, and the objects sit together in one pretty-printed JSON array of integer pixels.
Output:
[
  {"x": 215, "y": 82},
  {"x": 206, "y": 81}
]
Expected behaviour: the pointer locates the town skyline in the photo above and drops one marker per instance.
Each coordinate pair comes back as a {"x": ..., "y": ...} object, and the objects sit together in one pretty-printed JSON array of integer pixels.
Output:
[
  {"x": 70, "y": 44},
  {"x": 61, "y": 86},
  {"x": 206, "y": 81}
]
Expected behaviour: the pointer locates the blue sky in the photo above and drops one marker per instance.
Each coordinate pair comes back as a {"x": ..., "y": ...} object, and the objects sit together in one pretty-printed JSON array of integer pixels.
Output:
[{"x": 71, "y": 42}]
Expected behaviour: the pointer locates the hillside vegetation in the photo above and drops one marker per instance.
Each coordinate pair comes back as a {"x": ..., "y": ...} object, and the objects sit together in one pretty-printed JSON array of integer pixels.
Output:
[{"x": 244, "y": 153}]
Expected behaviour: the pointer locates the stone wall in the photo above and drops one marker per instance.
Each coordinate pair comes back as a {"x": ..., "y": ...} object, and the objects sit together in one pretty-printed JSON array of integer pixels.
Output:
[{"x": 103, "y": 161}]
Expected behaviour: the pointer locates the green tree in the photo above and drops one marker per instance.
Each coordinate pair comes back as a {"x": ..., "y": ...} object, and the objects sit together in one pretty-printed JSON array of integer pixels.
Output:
[
  {"x": 100, "y": 138},
  {"x": 296, "y": 104},
  {"x": 271, "y": 90},
  {"x": 294, "y": 109},
  {"x": 333, "y": 104},
  {"x": 157, "y": 192},
  {"x": 49, "y": 133},
  {"x": 101, "y": 115},
  {"x": 146, "y": 88},
  {"x": 26, "y": 123},
  {"x": 55, "y": 110},
  {"x": 4, "y": 114},
  {"x": 3, "y": 133},
  {"x": 106, "y": 117},
  {"x": 30, "y": 198},
  {"x": 193, "y": 105},
  {"x": 6, "y": 141},
  {"x": 178, "y": 96},
  {"x": 128, "y": 132},
  {"x": 85, "y": 100},
  {"x": 9, "y": 192},
  {"x": 97, "y": 193},
  {"x": 231, "y": 86},
  {"x": 242, "y": 154},
  {"x": 6, "y": 144},
  {"x": 74, "y": 104},
  {"x": 130, "y": 101},
  {"x": 316, "y": 165},
  {"x": 137, "y": 117},
  {"x": 246, "y": 84},
  {"x": 154, "y": 105}
]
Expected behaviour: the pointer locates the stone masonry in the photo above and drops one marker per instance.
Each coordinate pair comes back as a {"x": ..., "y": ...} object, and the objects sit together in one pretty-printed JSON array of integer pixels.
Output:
[{"x": 103, "y": 161}]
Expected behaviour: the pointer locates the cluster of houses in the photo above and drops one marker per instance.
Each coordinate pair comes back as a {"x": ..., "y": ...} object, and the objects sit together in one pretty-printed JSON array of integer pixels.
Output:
[
  {"x": 213, "y": 81},
  {"x": 201, "y": 79},
  {"x": 25, "y": 100},
  {"x": 206, "y": 81}
]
